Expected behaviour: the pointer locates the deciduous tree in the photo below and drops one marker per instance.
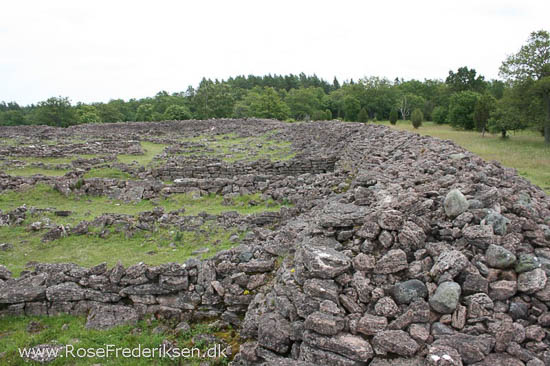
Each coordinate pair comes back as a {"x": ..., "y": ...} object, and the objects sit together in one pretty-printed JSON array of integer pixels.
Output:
[{"x": 532, "y": 62}]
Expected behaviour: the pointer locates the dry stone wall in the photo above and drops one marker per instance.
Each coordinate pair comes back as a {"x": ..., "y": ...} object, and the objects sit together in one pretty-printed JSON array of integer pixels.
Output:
[
  {"x": 410, "y": 251},
  {"x": 215, "y": 169}
]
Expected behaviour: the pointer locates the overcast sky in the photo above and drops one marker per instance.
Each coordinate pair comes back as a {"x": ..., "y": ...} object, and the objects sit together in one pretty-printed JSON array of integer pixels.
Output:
[{"x": 100, "y": 50}]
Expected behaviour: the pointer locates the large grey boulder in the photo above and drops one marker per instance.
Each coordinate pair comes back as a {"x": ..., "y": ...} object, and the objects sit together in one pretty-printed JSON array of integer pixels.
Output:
[
  {"x": 67, "y": 291},
  {"x": 446, "y": 296},
  {"x": 497, "y": 221},
  {"x": 338, "y": 214},
  {"x": 19, "y": 294},
  {"x": 345, "y": 344},
  {"x": 108, "y": 316},
  {"x": 499, "y": 257},
  {"x": 274, "y": 332},
  {"x": 321, "y": 261},
  {"x": 405, "y": 292},
  {"x": 321, "y": 289},
  {"x": 455, "y": 203}
]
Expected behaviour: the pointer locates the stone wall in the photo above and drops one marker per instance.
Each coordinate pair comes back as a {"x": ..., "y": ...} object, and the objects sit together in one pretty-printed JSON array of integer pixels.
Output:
[
  {"x": 186, "y": 168},
  {"x": 222, "y": 286}
]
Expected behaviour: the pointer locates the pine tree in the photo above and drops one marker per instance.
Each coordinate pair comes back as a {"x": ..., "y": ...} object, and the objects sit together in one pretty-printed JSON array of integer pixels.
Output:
[
  {"x": 393, "y": 116},
  {"x": 363, "y": 116},
  {"x": 416, "y": 118}
]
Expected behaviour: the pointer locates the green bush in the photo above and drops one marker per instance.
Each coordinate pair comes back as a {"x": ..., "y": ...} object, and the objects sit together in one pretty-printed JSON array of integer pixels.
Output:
[
  {"x": 393, "y": 116},
  {"x": 177, "y": 113},
  {"x": 318, "y": 116},
  {"x": 363, "y": 116},
  {"x": 328, "y": 115},
  {"x": 439, "y": 115},
  {"x": 417, "y": 117}
]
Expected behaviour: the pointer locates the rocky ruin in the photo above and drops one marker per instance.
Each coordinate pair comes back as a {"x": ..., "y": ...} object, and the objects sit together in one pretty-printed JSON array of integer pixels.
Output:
[{"x": 399, "y": 249}]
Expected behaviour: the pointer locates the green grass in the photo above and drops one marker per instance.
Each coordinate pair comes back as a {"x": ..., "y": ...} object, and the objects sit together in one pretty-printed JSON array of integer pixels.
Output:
[
  {"x": 71, "y": 330},
  {"x": 107, "y": 173},
  {"x": 523, "y": 150},
  {"x": 151, "y": 150},
  {"x": 28, "y": 171},
  {"x": 8, "y": 142},
  {"x": 54, "y": 160},
  {"x": 232, "y": 148},
  {"x": 212, "y": 204},
  {"x": 142, "y": 246},
  {"x": 89, "y": 207},
  {"x": 88, "y": 250}
]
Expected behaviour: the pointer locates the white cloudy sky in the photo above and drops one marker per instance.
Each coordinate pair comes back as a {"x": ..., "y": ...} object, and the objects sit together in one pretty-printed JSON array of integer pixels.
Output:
[{"x": 98, "y": 50}]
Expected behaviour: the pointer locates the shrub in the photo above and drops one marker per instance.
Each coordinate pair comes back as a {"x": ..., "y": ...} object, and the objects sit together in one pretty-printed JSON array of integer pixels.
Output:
[
  {"x": 439, "y": 115},
  {"x": 416, "y": 118},
  {"x": 393, "y": 116},
  {"x": 319, "y": 116},
  {"x": 363, "y": 116},
  {"x": 177, "y": 113},
  {"x": 328, "y": 115}
]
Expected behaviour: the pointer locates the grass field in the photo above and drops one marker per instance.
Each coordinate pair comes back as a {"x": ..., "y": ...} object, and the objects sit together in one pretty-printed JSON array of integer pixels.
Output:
[
  {"x": 150, "y": 150},
  {"x": 71, "y": 330},
  {"x": 164, "y": 244},
  {"x": 523, "y": 150},
  {"x": 232, "y": 148}
]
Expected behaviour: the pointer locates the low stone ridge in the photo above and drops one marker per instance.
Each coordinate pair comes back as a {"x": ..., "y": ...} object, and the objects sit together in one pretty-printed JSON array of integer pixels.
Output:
[{"x": 402, "y": 254}]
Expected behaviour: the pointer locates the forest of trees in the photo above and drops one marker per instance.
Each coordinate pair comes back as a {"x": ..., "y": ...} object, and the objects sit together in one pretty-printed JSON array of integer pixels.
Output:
[{"x": 465, "y": 99}]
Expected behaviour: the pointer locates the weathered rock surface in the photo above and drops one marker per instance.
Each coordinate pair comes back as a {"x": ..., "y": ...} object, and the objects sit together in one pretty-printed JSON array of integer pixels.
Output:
[{"x": 108, "y": 316}]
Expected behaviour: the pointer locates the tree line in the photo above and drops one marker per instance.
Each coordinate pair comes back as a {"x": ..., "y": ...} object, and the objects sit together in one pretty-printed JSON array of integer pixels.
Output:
[{"x": 465, "y": 99}]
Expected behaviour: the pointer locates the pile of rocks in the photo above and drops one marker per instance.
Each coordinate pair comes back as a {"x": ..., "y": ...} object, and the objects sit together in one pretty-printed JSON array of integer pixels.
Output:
[
  {"x": 433, "y": 258},
  {"x": 215, "y": 168},
  {"x": 41, "y": 150},
  {"x": 410, "y": 252}
]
